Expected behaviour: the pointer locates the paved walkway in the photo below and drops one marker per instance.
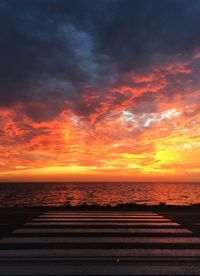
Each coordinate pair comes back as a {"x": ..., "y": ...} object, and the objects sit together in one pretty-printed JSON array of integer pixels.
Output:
[{"x": 103, "y": 243}]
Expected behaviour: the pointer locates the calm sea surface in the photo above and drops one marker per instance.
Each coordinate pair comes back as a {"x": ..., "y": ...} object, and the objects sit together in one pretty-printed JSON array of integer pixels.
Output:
[{"x": 59, "y": 194}]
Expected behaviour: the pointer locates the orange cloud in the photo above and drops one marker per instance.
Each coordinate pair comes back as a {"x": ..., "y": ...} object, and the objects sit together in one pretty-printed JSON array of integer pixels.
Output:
[{"x": 144, "y": 127}]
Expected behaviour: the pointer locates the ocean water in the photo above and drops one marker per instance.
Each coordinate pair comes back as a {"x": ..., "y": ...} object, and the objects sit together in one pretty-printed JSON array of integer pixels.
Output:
[{"x": 74, "y": 194}]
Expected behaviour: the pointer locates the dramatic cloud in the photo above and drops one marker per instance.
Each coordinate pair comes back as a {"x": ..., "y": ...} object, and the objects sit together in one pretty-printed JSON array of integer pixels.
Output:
[{"x": 100, "y": 86}]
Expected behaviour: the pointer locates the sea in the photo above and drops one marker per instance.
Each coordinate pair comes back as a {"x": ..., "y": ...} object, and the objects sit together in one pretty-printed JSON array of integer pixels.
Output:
[{"x": 96, "y": 193}]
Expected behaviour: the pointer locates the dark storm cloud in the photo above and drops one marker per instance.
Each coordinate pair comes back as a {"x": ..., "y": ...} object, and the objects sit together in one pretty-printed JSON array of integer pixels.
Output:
[
  {"x": 141, "y": 30},
  {"x": 51, "y": 50}
]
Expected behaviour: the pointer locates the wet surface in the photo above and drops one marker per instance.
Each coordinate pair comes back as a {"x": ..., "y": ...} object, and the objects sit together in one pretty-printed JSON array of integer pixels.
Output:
[{"x": 164, "y": 243}]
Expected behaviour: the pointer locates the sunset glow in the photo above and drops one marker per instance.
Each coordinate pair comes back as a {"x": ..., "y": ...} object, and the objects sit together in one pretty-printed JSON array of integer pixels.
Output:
[{"x": 82, "y": 113}]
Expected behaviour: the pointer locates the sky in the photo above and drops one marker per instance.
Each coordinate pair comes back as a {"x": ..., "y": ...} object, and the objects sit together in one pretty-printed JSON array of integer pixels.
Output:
[{"x": 99, "y": 90}]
